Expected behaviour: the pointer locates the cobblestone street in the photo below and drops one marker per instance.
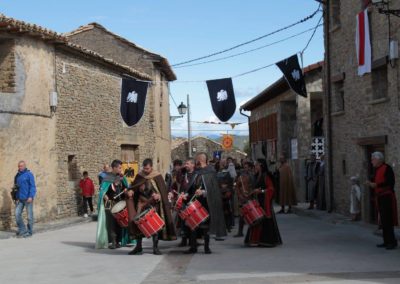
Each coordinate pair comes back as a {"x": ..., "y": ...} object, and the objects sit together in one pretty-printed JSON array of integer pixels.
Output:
[{"x": 314, "y": 250}]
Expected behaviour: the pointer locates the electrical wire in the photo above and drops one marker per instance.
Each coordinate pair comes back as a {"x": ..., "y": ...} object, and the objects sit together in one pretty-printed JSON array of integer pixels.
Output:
[
  {"x": 313, "y": 34},
  {"x": 251, "y": 41},
  {"x": 248, "y": 51}
]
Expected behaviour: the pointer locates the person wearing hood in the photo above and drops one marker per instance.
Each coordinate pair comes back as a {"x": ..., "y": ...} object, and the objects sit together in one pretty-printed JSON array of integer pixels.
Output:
[
  {"x": 112, "y": 190},
  {"x": 149, "y": 190},
  {"x": 207, "y": 192}
]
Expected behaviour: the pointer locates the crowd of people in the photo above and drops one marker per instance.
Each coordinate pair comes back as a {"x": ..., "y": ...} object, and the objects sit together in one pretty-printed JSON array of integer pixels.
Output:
[{"x": 222, "y": 188}]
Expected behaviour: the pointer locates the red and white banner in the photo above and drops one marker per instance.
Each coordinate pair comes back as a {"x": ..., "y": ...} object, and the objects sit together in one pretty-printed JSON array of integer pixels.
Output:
[{"x": 363, "y": 43}]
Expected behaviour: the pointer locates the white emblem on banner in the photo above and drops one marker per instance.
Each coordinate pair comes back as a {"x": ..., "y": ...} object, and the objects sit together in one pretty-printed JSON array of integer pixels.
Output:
[
  {"x": 132, "y": 97},
  {"x": 222, "y": 96},
  {"x": 296, "y": 74}
]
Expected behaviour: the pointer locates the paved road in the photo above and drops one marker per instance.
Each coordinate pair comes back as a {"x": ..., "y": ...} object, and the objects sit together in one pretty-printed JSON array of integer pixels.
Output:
[{"x": 313, "y": 251}]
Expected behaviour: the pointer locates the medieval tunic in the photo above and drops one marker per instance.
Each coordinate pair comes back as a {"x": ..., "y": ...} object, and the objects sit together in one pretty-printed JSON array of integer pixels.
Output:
[
  {"x": 225, "y": 182},
  {"x": 386, "y": 202},
  {"x": 267, "y": 232},
  {"x": 106, "y": 225},
  {"x": 312, "y": 180},
  {"x": 142, "y": 200},
  {"x": 244, "y": 187},
  {"x": 286, "y": 186},
  {"x": 321, "y": 196},
  {"x": 206, "y": 179}
]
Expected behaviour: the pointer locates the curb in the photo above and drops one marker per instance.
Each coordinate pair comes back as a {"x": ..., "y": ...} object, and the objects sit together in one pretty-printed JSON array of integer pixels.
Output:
[
  {"x": 51, "y": 226},
  {"x": 336, "y": 218}
]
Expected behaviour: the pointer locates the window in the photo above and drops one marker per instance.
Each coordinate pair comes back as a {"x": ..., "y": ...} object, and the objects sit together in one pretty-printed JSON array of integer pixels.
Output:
[
  {"x": 130, "y": 153},
  {"x": 73, "y": 172},
  {"x": 338, "y": 96},
  {"x": 379, "y": 83},
  {"x": 335, "y": 13},
  {"x": 7, "y": 67}
]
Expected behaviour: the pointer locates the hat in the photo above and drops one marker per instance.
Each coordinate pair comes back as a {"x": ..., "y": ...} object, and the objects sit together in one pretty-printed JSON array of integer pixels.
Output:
[{"x": 138, "y": 181}]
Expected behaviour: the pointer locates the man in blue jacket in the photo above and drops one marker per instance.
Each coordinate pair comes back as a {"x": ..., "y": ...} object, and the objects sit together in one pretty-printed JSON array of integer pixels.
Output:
[{"x": 25, "y": 196}]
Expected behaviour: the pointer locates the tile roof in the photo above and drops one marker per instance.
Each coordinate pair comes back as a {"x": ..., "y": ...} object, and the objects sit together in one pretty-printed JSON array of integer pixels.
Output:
[
  {"x": 164, "y": 64},
  {"x": 14, "y": 26}
]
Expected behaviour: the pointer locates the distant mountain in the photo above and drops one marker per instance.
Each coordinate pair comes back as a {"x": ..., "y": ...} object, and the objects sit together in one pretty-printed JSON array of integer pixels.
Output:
[{"x": 239, "y": 141}]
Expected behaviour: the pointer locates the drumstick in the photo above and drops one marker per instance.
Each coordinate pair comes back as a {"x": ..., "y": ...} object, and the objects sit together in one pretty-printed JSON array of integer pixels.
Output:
[{"x": 118, "y": 195}]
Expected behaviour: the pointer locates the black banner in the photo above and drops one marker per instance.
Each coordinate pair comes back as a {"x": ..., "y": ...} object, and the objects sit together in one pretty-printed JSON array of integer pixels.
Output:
[
  {"x": 293, "y": 74},
  {"x": 222, "y": 98},
  {"x": 133, "y": 99}
]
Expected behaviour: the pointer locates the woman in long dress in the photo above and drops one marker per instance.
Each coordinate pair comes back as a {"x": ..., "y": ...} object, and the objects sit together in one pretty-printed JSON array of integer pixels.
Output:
[{"x": 266, "y": 233}]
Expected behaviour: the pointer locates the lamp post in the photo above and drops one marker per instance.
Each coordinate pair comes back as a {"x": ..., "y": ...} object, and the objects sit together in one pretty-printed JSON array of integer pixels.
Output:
[
  {"x": 189, "y": 129},
  {"x": 182, "y": 109}
]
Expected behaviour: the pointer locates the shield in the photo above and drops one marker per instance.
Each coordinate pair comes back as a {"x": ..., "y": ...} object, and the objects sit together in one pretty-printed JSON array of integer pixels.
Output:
[
  {"x": 222, "y": 98},
  {"x": 290, "y": 68},
  {"x": 133, "y": 99}
]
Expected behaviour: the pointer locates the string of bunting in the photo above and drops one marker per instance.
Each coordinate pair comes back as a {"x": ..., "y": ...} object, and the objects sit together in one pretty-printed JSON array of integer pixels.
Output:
[{"x": 221, "y": 91}]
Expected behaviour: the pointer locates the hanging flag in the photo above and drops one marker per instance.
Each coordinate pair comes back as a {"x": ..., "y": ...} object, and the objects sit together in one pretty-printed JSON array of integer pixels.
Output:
[
  {"x": 133, "y": 98},
  {"x": 217, "y": 155},
  {"x": 227, "y": 142},
  {"x": 290, "y": 68},
  {"x": 222, "y": 98},
  {"x": 363, "y": 43}
]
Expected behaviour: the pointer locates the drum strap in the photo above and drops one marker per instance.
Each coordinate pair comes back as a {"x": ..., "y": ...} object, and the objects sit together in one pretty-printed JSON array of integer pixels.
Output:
[{"x": 154, "y": 184}]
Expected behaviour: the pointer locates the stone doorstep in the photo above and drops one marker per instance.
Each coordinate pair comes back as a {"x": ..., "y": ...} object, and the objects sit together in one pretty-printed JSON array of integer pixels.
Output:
[
  {"x": 41, "y": 227},
  {"x": 336, "y": 218}
]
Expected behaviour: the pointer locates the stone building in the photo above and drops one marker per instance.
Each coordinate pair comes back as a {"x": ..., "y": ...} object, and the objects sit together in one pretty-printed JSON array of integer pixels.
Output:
[
  {"x": 283, "y": 122},
  {"x": 180, "y": 150},
  {"x": 157, "y": 136},
  {"x": 364, "y": 111},
  {"x": 83, "y": 131}
]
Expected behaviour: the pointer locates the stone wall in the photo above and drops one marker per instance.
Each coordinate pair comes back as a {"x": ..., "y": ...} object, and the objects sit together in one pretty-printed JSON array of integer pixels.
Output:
[
  {"x": 363, "y": 116},
  {"x": 29, "y": 133},
  {"x": 158, "y": 94},
  {"x": 89, "y": 126}
]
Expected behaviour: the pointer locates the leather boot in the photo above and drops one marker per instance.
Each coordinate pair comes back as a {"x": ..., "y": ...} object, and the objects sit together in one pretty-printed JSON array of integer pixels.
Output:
[
  {"x": 192, "y": 243},
  {"x": 156, "y": 251},
  {"x": 207, "y": 244},
  {"x": 138, "y": 248},
  {"x": 240, "y": 231},
  {"x": 183, "y": 242},
  {"x": 113, "y": 244}
]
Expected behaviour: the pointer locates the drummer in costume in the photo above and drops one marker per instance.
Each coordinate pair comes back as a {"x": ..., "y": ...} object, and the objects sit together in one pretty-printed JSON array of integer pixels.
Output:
[
  {"x": 149, "y": 190},
  {"x": 244, "y": 186},
  {"x": 112, "y": 190},
  {"x": 207, "y": 192},
  {"x": 266, "y": 233},
  {"x": 187, "y": 180}
]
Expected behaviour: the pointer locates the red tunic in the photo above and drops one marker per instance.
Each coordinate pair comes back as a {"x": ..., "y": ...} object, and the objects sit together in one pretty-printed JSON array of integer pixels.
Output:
[{"x": 384, "y": 189}]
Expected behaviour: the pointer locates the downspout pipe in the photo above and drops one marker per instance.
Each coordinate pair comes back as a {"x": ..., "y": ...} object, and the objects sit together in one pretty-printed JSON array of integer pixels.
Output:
[{"x": 328, "y": 107}]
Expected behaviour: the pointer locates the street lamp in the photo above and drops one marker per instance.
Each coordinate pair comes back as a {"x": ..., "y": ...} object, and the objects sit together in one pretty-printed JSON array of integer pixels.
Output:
[
  {"x": 383, "y": 8},
  {"x": 182, "y": 108}
]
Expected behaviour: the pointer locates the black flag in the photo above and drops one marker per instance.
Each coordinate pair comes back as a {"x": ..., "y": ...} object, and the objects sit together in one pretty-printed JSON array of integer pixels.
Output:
[
  {"x": 222, "y": 98},
  {"x": 133, "y": 98},
  {"x": 293, "y": 74}
]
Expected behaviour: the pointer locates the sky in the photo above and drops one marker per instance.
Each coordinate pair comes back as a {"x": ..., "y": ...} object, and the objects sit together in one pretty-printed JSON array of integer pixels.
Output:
[{"x": 181, "y": 30}]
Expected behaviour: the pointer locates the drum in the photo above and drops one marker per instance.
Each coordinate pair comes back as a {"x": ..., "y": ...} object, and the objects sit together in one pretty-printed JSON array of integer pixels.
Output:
[
  {"x": 120, "y": 213},
  {"x": 179, "y": 203},
  {"x": 252, "y": 212},
  {"x": 194, "y": 214},
  {"x": 149, "y": 222}
]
